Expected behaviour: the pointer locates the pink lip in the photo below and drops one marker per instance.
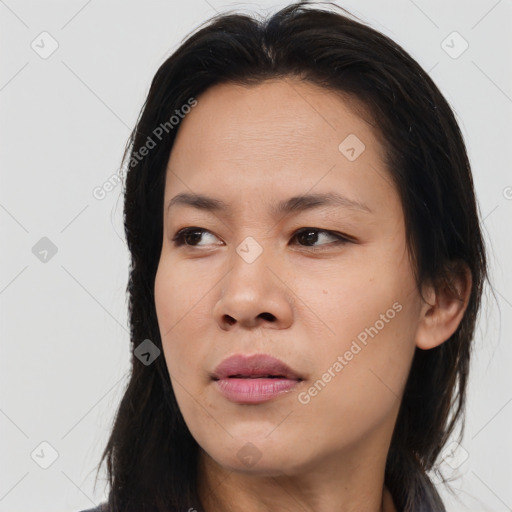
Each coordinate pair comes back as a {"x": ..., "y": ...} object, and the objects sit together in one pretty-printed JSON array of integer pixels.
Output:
[{"x": 246, "y": 379}]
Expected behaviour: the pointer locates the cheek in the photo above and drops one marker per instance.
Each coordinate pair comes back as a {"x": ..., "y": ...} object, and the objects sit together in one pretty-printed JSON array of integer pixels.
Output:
[
  {"x": 180, "y": 302},
  {"x": 176, "y": 302},
  {"x": 181, "y": 292},
  {"x": 370, "y": 317},
  {"x": 361, "y": 372},
  {"x": 347, "y": 298},
  {"x": 183, "y": 301}
]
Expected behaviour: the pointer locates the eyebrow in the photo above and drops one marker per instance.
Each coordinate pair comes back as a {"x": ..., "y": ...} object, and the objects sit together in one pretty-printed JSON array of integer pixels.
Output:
[{"x": 292, "y": 205}]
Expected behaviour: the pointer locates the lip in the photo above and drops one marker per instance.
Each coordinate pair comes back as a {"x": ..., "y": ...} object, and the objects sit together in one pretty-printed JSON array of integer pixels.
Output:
[
  {"x": 256, "y": 365},
  {"x": 254, "y": 379}
]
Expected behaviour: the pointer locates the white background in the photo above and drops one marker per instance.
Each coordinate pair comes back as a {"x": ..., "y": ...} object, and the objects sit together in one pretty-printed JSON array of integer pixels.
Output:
[{"x": 64, "y": 122}]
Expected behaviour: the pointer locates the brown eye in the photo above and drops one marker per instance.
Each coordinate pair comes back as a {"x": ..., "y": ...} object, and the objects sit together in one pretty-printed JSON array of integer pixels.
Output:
[
  {"x": 310, "y": 236},
  {"x": 307, "y": 237},
  {"x": 189, "y": 236}
]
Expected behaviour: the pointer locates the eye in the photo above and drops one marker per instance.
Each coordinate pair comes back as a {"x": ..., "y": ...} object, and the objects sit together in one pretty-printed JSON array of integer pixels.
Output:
[
  {"x": 189, "y": 236},
  {"x": 307, "y": 237}
]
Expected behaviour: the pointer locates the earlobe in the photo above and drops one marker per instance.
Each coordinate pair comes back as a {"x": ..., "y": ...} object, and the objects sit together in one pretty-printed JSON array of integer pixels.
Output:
[{"x": 444, "y": 307}]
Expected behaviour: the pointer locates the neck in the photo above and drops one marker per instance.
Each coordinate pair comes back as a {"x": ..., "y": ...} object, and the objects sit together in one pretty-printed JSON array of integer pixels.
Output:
[{"x": 352, "y": 481}]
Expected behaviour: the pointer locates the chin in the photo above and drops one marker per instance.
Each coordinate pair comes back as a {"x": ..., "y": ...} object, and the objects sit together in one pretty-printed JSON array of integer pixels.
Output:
[
  {"x": 268, "y": 467},
  {"x": 256, "y": 456}
]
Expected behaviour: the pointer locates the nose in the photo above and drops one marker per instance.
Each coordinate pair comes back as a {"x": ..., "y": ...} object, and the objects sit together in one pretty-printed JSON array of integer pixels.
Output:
[{"x": 255, "y": 295}]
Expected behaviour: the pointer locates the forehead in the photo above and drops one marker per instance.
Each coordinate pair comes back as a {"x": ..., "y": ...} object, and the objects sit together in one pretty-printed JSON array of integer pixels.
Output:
[
  {"x": 283, "y": 112},
  {"x": 250, "y": 141}
]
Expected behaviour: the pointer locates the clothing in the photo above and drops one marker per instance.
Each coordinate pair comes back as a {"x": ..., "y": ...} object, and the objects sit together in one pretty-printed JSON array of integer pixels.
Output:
[{"x": 99, "y": 508}]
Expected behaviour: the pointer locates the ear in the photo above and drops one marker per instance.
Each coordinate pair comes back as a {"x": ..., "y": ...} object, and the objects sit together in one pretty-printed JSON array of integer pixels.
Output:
[{"x": 444, "y": 305}]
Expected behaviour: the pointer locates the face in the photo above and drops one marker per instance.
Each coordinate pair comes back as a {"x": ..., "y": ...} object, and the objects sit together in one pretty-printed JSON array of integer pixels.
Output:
[{"x": 325, "y": 286}]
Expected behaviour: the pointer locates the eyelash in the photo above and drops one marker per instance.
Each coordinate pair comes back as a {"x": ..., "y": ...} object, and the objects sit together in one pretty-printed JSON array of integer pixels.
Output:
[{"x": 178, "y": 238}]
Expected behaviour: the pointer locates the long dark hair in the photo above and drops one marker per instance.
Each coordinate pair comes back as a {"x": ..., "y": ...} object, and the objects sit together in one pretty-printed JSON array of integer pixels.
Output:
[{"x": 151, "y": 455}]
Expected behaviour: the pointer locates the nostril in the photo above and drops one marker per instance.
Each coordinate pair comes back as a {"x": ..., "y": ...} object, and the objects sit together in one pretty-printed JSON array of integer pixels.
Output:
[
  {"x": 229, "y": 319},
  {"x": 268, "y": 316}
]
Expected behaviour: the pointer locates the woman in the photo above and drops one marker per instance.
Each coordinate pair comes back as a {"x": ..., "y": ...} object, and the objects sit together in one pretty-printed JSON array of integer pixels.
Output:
[{"x": 307, "y": 267}]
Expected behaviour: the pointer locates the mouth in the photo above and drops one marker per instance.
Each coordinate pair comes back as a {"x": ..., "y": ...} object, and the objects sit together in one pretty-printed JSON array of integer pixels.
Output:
[
  {"x": 254, "y": 379},
  {"x": 256, "y": 366},
  {"x": 258, "y": 377},
  {"x": 254, "y": 390}
]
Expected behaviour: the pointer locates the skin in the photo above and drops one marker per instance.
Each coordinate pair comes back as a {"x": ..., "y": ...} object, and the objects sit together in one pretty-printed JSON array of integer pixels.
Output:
[{"x": 303, "y": 300}]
